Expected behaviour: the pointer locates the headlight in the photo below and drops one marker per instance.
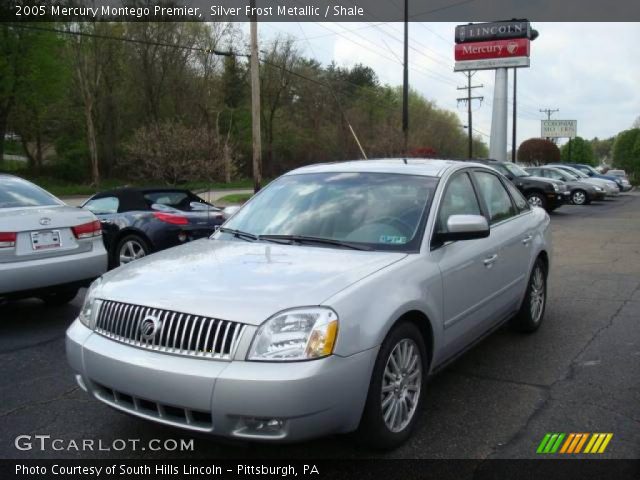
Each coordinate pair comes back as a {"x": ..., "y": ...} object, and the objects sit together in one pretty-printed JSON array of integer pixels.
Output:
[
  {"x": 88, "y": 311},
  {"x": 598, "y": 189},
  {"x": 298, "y": 334},
  {"x": 555, "y": 187}
]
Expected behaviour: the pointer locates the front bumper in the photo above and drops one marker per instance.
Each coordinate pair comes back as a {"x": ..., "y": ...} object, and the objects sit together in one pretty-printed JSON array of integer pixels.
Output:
[
  {"x": 230, "y": 399},
  {"x": 556, "y": 199}
]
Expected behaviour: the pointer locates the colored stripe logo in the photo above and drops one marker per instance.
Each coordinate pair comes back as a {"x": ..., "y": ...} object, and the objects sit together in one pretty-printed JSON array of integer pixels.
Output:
[{"x": 573, "y": 443}]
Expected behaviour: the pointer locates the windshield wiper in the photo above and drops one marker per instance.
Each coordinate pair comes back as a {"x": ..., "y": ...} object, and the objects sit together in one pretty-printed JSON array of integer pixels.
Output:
[
  {"x": 318, "y": 240},
  {"x": 239, "y": 233}
]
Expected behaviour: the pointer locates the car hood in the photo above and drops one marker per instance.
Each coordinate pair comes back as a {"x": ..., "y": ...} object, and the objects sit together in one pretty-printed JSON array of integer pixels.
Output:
[
  {"x": 552, "y": 181},
  {"x": 240, "y": 281}
]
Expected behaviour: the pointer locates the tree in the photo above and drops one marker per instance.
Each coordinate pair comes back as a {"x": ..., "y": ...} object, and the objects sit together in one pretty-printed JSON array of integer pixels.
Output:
[
  {"x": 87, "y": 54},
  {"x": 636, "y": 123},
  {"x": 276, "y": 75},
  {"x": 602, "y": 149},
  {"x": 626, "y": 151},
  {"x": 578, "y": 150},
  {"x": 538, "y": 151},
  {"x": 44, "y": 81}
]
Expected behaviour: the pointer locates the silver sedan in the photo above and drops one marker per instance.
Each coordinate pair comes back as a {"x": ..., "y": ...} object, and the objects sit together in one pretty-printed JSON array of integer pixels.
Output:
[
  {"x": 321, "y": 306},
  {"x": 47, "y": 249}
]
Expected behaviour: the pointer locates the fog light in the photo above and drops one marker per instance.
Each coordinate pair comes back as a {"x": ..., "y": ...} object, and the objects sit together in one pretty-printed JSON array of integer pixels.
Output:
[
  {"x": 182, "y": 237},
  {"x": 261, "y": 426}
]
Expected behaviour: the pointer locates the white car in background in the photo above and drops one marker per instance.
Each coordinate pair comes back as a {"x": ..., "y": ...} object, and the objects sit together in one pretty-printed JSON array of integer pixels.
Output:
[{"x": 48, "y": 249}]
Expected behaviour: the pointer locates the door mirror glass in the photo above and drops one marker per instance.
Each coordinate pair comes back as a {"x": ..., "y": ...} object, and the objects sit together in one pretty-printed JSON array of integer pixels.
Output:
[{"x": 465, "y": 227}]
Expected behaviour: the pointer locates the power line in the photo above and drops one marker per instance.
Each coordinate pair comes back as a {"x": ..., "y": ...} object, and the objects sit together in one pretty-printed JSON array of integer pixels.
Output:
[{"x": 549, "y": 112}]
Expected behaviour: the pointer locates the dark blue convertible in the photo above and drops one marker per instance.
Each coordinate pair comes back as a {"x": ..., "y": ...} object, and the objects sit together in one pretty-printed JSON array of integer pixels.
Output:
[{"x": 139, "y": 221}]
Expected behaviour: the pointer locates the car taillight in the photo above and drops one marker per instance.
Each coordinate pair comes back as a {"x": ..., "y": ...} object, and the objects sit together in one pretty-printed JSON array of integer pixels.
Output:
[
  {"x": 7, "y": 240},
  {"x": 87, "y": 230},
  {"x": 170, "y": 218}
]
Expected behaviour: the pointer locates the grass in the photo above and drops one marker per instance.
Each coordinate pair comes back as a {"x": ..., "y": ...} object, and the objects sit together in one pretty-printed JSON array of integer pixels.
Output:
[
  {"x": 235, "y": 198},
  {"x": 13, "y": 147}
]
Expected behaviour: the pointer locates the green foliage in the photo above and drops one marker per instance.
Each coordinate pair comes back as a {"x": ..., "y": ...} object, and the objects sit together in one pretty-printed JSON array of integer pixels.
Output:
[
  {"x": 235, "y": 198},
  {"x": 538, "y": 151},
  {"x": 626, "y": 152},
  {"x": 580, "y": 151},
  {"x": 603, "y": 149}
]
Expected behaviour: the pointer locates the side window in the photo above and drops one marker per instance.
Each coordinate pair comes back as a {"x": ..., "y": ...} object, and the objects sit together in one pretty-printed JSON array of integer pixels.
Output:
[
  {"x": 103, "y": 205},
  {"x": 459, "y": 199},
  {"x": 495, "y": 197},
  {"x": 521, "y": 203}
]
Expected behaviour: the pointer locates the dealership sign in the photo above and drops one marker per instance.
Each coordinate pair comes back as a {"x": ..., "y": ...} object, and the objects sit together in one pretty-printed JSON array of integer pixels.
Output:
[
  {"x": 480, "y": 32},
  {"x": 518, "y": 47},
  {"x": 491, "y": 63},
  {"x": 485, "y": 46},
  {"x": 559, "y": 128}
]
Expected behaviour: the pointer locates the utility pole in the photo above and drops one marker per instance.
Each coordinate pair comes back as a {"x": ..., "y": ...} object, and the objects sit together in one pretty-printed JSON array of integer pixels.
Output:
[
  {"x": 549, "y": 112},
  {"x": 515, "y": 118},
  {"x": 468, "y": 99},
  {"x": 405, "y": 84},
  {"x": 255, "y": 103}
]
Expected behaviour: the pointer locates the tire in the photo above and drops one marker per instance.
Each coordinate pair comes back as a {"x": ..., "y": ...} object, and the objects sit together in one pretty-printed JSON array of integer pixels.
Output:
[
  {"x": 580, "y": 197},
  {"x": 404, "y": 394},
  {"x": 129, "y": 248},
  {"x": 59, "y": 298},
  {"x": 537, "y": 199},
  {"x": 531, "y": 313}
]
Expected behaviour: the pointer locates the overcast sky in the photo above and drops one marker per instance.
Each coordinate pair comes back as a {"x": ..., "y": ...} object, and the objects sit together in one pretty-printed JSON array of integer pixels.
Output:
[{"x": 589, "y": 71}]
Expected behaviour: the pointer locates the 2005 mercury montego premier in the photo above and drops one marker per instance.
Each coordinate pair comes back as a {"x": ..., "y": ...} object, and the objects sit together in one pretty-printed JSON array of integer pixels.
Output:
[{"x": 321, "y": 306}]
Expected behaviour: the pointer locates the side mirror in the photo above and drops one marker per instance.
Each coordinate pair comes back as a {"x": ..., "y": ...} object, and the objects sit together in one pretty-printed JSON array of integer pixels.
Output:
[{"x": 465, "y": 227}]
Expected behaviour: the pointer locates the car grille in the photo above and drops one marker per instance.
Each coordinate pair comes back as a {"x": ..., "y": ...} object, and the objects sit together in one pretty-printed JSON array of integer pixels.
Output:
[
  {"x": 183, "y": 417},
  {"x": 169, "y": 331}
]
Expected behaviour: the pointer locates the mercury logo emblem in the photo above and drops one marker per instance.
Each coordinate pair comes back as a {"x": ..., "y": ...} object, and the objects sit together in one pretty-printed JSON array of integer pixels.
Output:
[
  {"x": 149, "y": 327},
  {"x": 45, "y": 221},
  {"x": 512, "y": 47}
]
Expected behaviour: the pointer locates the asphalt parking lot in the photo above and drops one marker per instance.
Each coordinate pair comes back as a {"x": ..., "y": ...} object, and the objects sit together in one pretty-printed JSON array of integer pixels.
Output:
[{"x": 578, "y": 373}]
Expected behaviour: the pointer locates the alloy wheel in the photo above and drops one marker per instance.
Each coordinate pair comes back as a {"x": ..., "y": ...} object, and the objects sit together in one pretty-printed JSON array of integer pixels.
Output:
[
  {"x": 401, "y": 385},
  {"x": 130, "y": 251},
  {"x": 537, "y": 294},
  {"x": 535, "y": 201},
  {"x": 579, "y": 198}
]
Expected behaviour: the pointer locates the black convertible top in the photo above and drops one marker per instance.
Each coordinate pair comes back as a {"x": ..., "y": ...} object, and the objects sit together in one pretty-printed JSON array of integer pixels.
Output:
[{"x": 132, "y": 198}]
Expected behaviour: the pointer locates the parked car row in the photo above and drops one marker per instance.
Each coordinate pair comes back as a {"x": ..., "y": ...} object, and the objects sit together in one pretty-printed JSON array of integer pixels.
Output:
[{"x": 554, "y": 185}]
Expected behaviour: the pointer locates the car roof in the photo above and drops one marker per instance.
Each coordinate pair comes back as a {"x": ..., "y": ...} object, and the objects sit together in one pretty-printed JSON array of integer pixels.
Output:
[{"x": 410, "y": 166}]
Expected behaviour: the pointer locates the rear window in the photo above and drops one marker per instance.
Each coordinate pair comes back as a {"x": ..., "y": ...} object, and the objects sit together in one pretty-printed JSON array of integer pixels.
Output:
[
  {"x": 15, "y": 192},
  {"x": 178, "y": 199}
]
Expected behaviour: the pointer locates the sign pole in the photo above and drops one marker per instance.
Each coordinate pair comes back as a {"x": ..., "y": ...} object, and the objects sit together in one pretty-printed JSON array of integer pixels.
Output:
[
  {"x": 515, "y": 116},
  {"x": 498, "y": 141}
]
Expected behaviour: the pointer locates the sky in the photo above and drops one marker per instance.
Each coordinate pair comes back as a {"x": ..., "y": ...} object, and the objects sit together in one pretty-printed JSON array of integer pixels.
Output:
[{"x": 589, "y": 71}]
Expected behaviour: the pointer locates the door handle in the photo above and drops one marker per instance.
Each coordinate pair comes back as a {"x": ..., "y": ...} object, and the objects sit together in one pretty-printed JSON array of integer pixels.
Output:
[
  {"x": 489, "y": 260},
  {"x": 527, "y": 239}
]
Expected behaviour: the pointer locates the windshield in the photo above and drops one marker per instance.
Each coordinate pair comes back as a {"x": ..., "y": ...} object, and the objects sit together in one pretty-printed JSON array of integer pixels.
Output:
[
  {"x": 515, "y": 170},
  {"x": 578, "y": 173},
  {"x": 589, "y": 169},
  {"x": 380, "y": 210},
  {"x": 15, "y": 192},
  {"x": 564, "y": 174}
]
